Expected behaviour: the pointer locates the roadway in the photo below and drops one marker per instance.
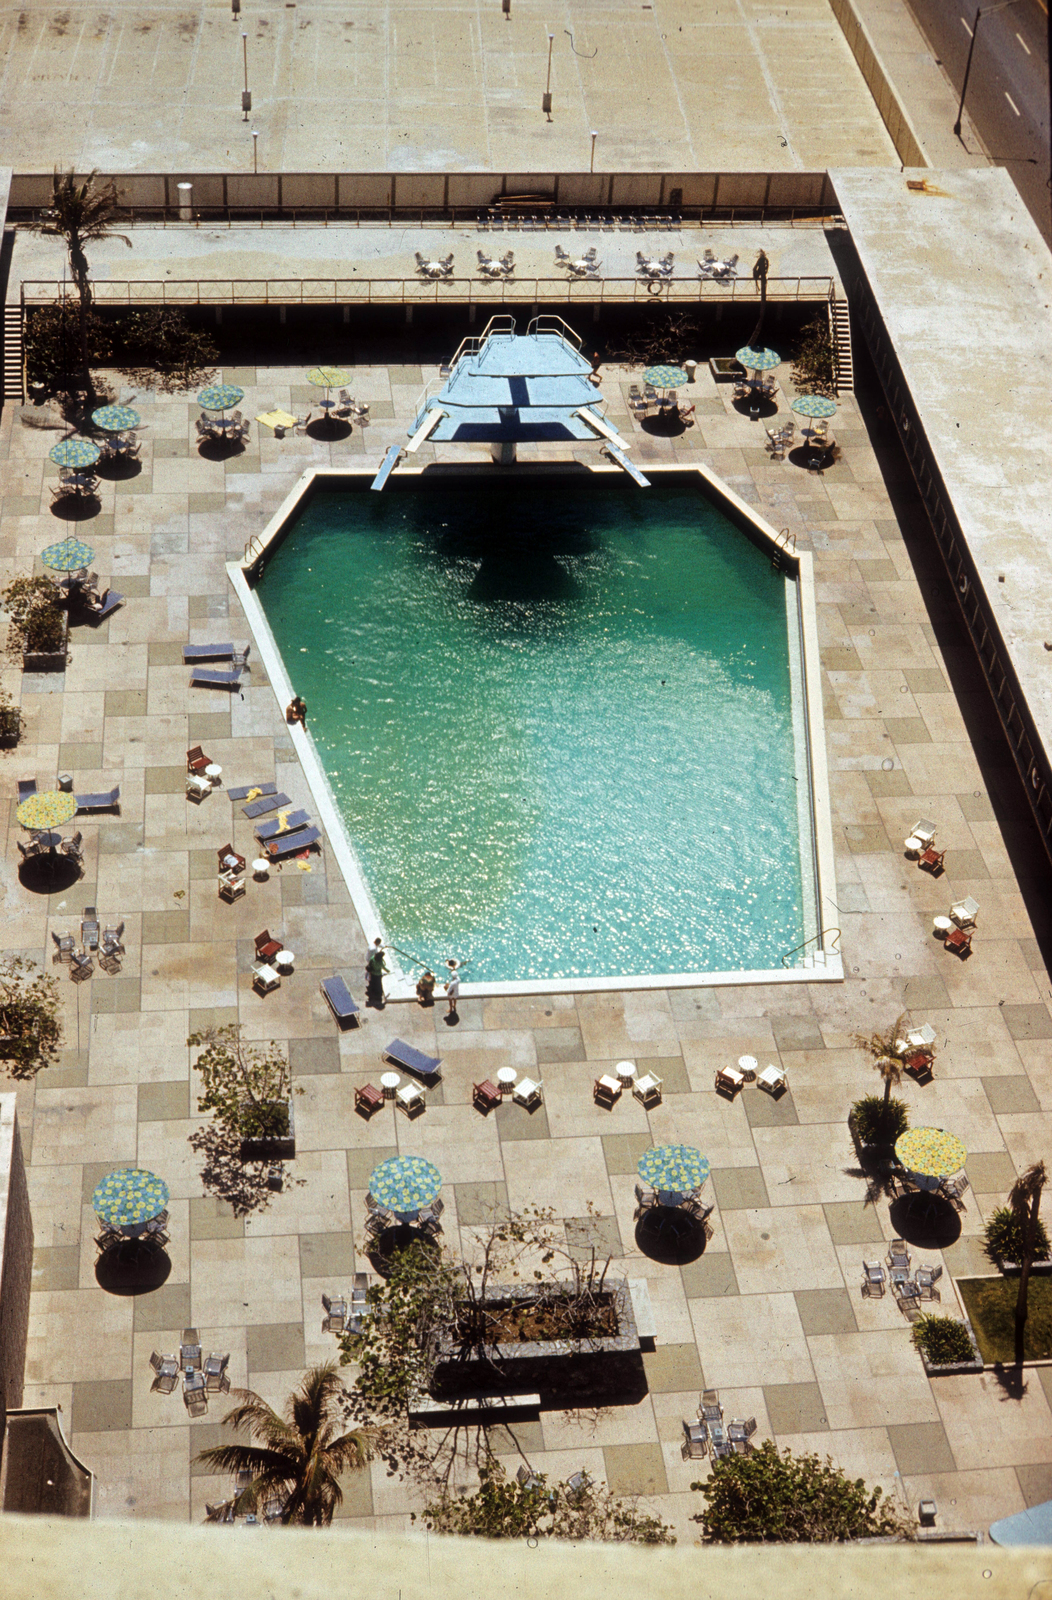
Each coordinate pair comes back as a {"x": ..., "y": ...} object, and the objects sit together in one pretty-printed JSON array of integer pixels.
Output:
[{"x": 1008, "y": 89}]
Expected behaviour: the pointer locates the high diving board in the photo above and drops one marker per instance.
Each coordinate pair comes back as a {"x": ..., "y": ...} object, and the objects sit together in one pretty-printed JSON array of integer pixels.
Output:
[
  {"x": 425, "y": 430},
  {"x": 387, "y": 466}
]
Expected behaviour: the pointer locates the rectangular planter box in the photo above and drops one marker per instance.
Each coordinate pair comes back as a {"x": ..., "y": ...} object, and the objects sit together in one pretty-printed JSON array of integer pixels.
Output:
[
  {"x": 272, "y": 1149},
  {"x": 725, "y": 369},
  {"x": 950, "y": 1368},
  {"x": 611, "y": 1366},
  {"x": 48, "y": 660},
  {"x": 1012, "y": 1269}
]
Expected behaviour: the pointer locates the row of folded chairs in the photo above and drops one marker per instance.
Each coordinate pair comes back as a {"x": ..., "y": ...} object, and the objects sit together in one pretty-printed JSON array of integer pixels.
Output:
[{"x": 497, "y": 220}]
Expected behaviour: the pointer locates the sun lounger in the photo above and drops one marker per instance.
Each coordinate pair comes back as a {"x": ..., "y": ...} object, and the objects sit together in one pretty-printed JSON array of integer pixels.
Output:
[
  {"x": 215, "y": 652},
  {"x": 106, "y": 606},
  {"x": 100, "y": 802},
  {"x": 243, "y": 792},
  {"x": 215, "y": 680},
  {"x": 341, "y": 1002},
  {"x": 26, "y": 787},
  {"x": 290, "y": 844},
  {"x": 403, "y": 1055},
  {"x": 268, "y": 801},
  {"x": 273, "y": 828}
]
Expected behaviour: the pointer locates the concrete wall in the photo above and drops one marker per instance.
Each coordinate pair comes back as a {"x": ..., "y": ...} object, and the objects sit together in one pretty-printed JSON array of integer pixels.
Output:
[
  {"x": 872, "y": 69},
  {"x": 16, "y": 1271},
  {"x": 441, "y": 192}
]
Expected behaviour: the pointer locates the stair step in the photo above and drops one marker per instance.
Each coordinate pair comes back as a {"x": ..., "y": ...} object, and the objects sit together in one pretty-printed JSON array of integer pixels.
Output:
[{"x": 13, "y": 388}]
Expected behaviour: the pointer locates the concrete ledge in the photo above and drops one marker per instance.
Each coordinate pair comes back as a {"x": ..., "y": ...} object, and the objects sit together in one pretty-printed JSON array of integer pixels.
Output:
[{"x": 481, "y": 1408}]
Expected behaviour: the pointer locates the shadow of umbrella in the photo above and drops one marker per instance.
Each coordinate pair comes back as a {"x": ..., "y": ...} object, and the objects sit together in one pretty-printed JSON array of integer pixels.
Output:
[
  {"x": 116, "y": 469},
  {"x": 388, "y": 1244},
  {"x": 926, "y": 1221},
  {"x": 329, "y": 428},
  {"x": 131, "y": 1268},
  {"x": 75, "y": 507},
  {"x": 808, "y": 455},
  {"x": 764, "y": 405},
  {"x": 220, "y": 449},
  {"x": 48, "y": 874},
  {"x": 666, "y": 424},
  {"x": 670, "y": 1235}
]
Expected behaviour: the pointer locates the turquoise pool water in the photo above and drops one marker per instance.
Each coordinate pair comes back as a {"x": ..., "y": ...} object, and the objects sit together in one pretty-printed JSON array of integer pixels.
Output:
[{"x": 557, "y": 719}]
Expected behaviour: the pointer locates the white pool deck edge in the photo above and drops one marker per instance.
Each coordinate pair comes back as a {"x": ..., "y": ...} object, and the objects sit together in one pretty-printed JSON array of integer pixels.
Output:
[{"x": 400, "y": 985}]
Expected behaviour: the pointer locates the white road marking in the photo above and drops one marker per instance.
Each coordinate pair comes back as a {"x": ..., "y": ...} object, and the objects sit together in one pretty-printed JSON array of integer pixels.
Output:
[
  {"x": 1012, "y": 103},
  {"x": 966, "y": 28},
  {"x": 1023, "y": 42}
]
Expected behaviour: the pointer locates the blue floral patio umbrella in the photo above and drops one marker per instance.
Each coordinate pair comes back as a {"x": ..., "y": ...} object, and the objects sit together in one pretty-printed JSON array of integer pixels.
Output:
[
  {"x": 129, "y": 1197},
  {"x": 220, "y": 396},
  {"x": 675, "y": 1169},
  {"x": 813, "y": 405},
  {"x": 116, "y": 418},
  {"x": 405, "y": 1184},
  {"x": 664, "y": 377},
  {"x": 67, "y": 556},
  {"x": 74, "y": 453},
  {"x": 757, "y": 360}
]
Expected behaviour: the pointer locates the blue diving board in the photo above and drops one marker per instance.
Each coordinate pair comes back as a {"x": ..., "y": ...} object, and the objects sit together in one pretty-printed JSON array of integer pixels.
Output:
[{"x": 387, "y": 466}]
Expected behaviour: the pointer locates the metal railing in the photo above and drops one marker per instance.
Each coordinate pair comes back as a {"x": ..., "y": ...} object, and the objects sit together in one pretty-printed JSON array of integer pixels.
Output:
[
  {"x": 815, "y": 937},
  {"x": 488, "y": 292},
  {"x": 464, "y": 217}
]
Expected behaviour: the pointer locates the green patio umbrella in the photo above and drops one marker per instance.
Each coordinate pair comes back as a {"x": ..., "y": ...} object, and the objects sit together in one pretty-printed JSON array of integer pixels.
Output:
[
  {"x": 74, "y": 453},
  {"x": 115, "y": 418},
  {"x": 405, "y": 1184},
  {"x": 813, "y": 405},
  {"x": 328, "y": 377},
  {"x": 129, "y": 1197},
  {"x": 219, "y": 396},
  {"x": 663, "y": 377},
  {"x": 67, "y": 556},
  {"x": 673, "y": 1168},
  {"x": 757, "y": 360}
]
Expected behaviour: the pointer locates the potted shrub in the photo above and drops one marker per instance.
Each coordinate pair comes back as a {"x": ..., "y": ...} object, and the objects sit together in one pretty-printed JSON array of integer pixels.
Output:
[
  {"x": 249, "y": 1090},
  {"x": 30, "y": 1029},
  {"x": 1004, "y": 1237},
  {"x": 39, "y": 625},
  {"x": 876, "y": 1123},
  {"x": 10, "y": 719},
  {"x": 946, "y": 1345}
]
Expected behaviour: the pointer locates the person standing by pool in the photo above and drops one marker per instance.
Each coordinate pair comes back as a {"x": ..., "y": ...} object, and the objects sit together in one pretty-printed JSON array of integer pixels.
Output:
[
  {"x": 452, "y": 987},
  {"x": 375, "y": 967}
]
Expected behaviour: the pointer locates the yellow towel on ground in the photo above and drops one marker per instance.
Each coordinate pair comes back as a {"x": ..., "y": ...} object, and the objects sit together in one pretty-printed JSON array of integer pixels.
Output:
[{"x": 276, "y": 419}]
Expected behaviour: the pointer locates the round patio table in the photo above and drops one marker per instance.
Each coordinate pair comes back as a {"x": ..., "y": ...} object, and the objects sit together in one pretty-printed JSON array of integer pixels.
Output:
[
  {"x": 48, "y": 809},
  {"x": 930, "y": 1152},
  {"x": 674, "y": 1170},
  {"x": 405, "y": 1184},
  {"x": 129, "y": 1198}
]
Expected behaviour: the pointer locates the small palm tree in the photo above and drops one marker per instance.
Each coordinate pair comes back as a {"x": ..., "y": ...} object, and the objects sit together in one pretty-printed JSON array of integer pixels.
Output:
[
  {"x": 299, "y": 1458},
  {"x": 1025, "y": 1201},
  {"x": 886, "y": 1051},
  {"x": 80, "y": 214}
]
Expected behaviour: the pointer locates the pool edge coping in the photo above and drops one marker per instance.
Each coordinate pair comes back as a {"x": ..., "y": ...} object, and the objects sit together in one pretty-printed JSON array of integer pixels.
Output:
[{"x": 400, "y": 986}]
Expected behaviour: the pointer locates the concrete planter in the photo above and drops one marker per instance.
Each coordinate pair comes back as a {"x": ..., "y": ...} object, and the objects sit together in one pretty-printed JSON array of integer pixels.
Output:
[
  {"x": 1013, "y": 1268},
  {"x": 726, "y": 369},
  {"x": 947, "y": 1369},
  {"x": 609, "y": 1365},
  {"x": 273, "y": 1147},
  {"x": 48, "y": 660}
]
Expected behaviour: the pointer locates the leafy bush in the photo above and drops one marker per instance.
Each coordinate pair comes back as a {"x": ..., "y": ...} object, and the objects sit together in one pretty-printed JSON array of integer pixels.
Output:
[
  {"x": 247, "y": 1087},
  {"x": 162, "y": 338},
  {"x": 943, "y": 1340},
  {"x": 10, "y": 718},
  {"x": 1005, "y": 1236},
  {"x": 877, "y": 1123},
  {"x": 30, "y": 1030},
  {"x": 505, "y": 1508},
  {"x": 51, "y": 339},
  {"x": 813, "y": 370},
  {"x": 37, "y": 620},
  {"x": 772, "y": 1497}
]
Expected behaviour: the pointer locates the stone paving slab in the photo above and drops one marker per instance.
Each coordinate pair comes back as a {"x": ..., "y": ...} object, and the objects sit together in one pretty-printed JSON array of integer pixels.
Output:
[{"x": 770, "y": 1312}]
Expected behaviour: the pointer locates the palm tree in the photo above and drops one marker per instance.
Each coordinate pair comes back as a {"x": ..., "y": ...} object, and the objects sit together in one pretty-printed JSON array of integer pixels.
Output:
[
  {"x": 1025, "y": 1201},
  {"x": 80, "y": 214},
  {"x": 299, "y": 1457}
]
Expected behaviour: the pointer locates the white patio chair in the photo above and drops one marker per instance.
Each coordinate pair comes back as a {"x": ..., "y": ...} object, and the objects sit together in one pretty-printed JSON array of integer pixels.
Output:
[
  {"x": 410, "y": 1097},
  {"x": 197, "y": 786},
  {"x": 965, "y": 912},
  {"x": 729, "y": 1078},
  {"x": 772, "y": 1079},
  {"x": 527, "y": 1093},
  {"x": 647, "y": 1089}
]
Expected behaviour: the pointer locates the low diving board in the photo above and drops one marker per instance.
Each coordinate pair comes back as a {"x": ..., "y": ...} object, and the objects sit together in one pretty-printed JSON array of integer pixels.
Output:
[
  {"x": 615, "y": 445},
  {"x": 387, "y": 466},
  {"x": 594, "y": 420},
  {"x": 425, "y": 430},
  {"x": 617, "y": 454}
]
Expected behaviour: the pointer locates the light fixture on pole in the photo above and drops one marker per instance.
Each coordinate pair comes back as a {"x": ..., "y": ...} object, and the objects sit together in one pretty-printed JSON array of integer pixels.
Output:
[
  {"x": 591, "y": 164},
  {"x": 246, "y": 97},
  {"x": 255, "y": 150},
  {"x": 546, "y": 97},
  {"x": 980, "y": 12}
]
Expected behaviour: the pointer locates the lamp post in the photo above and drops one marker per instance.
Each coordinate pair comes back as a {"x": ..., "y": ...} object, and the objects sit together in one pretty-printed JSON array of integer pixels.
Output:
[
  {"x": 591, "y": 164},
  {"x": 979, "y": 14},
  {"x": 546, "y": 98},
  {"x": 255, "y": 150},
  {"x": 246, "y": 97}
]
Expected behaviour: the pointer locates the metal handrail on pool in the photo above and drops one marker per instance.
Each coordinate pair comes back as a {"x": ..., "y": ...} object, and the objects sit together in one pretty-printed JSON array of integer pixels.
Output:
[{"x": 815, "y": 936}]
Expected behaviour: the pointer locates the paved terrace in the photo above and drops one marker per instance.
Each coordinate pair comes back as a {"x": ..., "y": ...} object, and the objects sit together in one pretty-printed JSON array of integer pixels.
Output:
[
  {"x": 418, "y": 87},
  {"x": 771, "y": 1313}
]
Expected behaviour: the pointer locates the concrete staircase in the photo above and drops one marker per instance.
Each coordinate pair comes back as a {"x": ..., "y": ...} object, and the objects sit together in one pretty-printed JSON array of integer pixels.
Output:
[
  {"x": 840, "y": 334},
  {"x": 14, "y": 388}
]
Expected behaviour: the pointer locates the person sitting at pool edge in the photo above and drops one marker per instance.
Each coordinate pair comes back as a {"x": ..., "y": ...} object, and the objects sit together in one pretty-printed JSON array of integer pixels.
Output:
[
  {"x": 296, "y": 711},
  {"x": 425, "y": 988}
]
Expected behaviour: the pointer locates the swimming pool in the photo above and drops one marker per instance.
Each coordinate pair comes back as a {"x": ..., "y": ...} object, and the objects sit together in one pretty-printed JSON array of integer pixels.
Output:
[{"x": 561, "y": 721}]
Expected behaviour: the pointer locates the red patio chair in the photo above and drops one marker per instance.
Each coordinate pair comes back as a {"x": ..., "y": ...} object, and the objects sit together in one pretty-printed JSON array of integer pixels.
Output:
[
  {"x": 368, "y": 1099},
  {"x": 485, "y": 1095},
  {"x": 196, "y": 760},
  {"x": 229, "y": 860},
  {"x": 959, "y": 939},
  {"x": 932, "y": 858},
  {"x": 266, "y": 946},
  {"x": 919, "y": 1064}
]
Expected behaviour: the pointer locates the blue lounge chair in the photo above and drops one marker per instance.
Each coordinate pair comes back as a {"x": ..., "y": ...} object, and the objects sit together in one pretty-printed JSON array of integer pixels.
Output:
[
  {"x": 106, "y": 606},
  {"x": 208, "y": 652},
  {"x": 290, "y": 844},
  {"x": 266, "y": 802},
  {"x": 403, "y": 1055},
  {"x": 202, "y": 679},
  {"x": 246, "y": 789},
  {"x": 274, "y": 830},
  {"x": 342, "y": 1003},
  {"x": 100, "y": 802},
  {"x": 26, "y": 787}
]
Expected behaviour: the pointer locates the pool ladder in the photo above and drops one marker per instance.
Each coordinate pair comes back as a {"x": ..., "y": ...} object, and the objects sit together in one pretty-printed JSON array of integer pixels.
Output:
[
  {"x": 785, "y": 543},
  {"x": 817, "y": 956}
]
